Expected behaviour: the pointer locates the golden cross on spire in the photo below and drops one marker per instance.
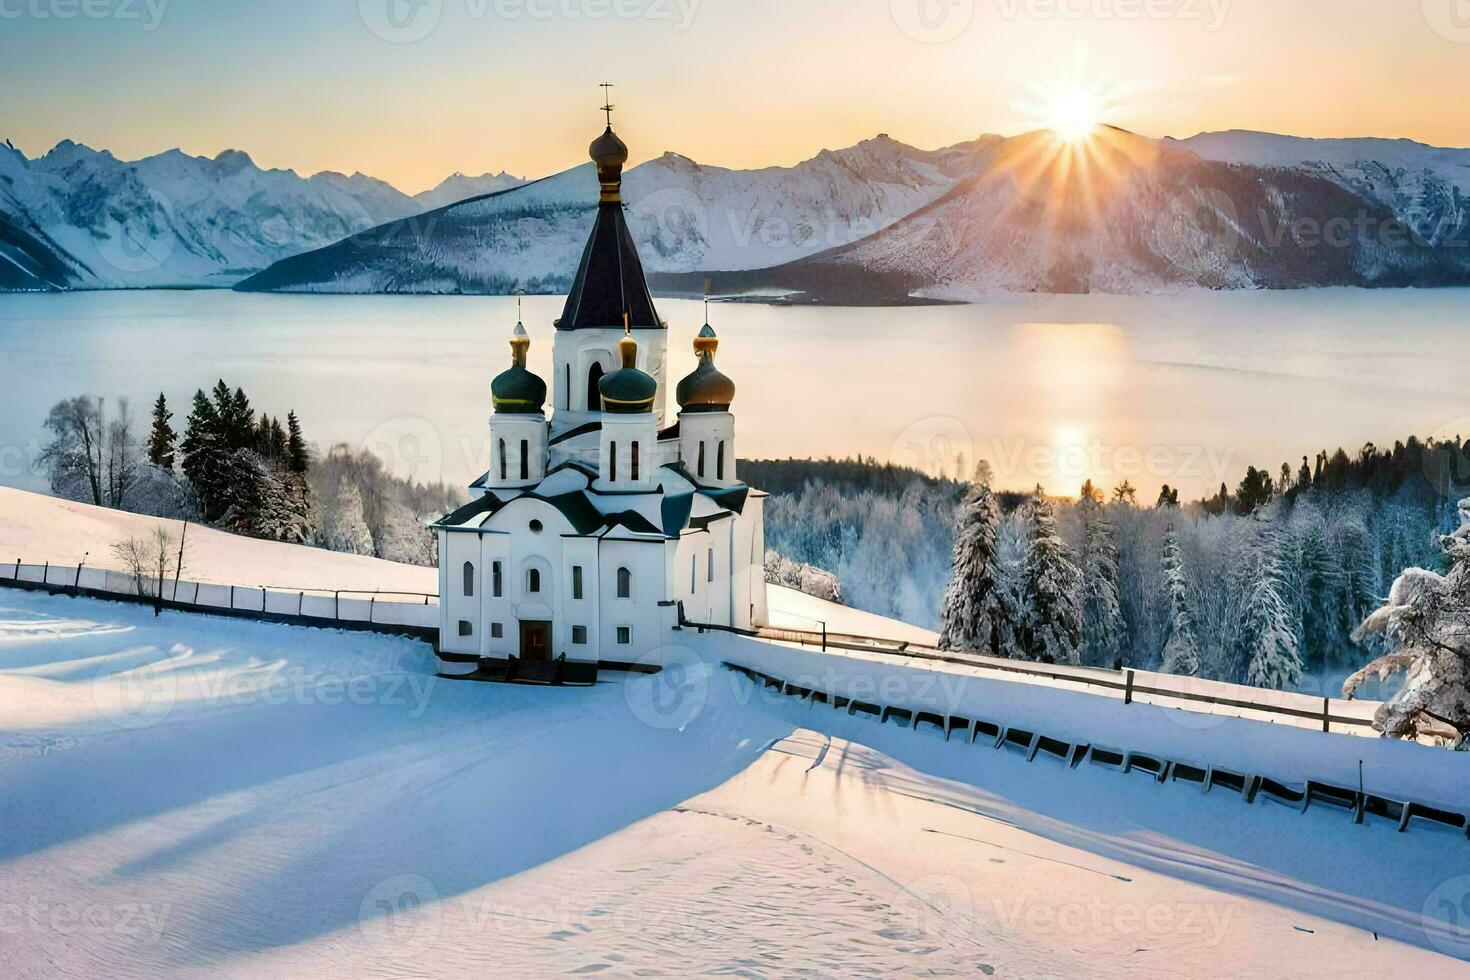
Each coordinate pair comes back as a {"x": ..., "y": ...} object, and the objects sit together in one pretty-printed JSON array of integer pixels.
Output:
[
  {"x": 519, "y": 317},
  {"x": 607, "y": 105},
  {"x": 627, "y": 330},
  {"x": 706, "y": 301}
]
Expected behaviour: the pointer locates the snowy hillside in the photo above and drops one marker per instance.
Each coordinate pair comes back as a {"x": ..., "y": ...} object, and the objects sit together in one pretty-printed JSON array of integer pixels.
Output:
[
  {"x": 1427, "y": 187},
  {"x": 684, "y": 215},
  {"x": 459, "y": 187},
  {"x": 81, "y": 218},
  {"x": 190, "y": 795},
  {"x": 1127, "y": 215}
]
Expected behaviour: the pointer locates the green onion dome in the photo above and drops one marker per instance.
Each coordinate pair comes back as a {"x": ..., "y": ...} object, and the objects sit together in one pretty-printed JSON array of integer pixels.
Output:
[
  {"x": 627, "y": 391},
  {"x": 516, "y": 390},
  {"x": 705, "y": 389}
]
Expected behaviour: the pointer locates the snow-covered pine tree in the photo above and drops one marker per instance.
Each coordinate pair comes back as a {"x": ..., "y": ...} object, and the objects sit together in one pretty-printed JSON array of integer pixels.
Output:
[
  {"x": 1427, "y": 622},
  {"x": 1181, "y": 652},
  {"x": 1102, "y": 614},
  {"x": 343, "y": 527},
  {"x": 1051, "y": 593},
  {"x": 283, "y": 512},
  {"x": 162, "y": 436},
  {"x": 974, "y": 615},
  {"x": 1269, "y": 630}
]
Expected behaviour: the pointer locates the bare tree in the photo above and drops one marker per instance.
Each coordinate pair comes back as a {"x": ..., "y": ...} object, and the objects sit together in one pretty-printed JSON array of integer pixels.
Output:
[
  {"x": 123, "y": 460},
  {"x": 151, "y": 561},
  {"x": 73, "y": 459}
]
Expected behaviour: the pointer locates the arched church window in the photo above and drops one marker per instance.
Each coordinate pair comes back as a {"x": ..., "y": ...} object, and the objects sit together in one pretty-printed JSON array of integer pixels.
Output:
[
  {"x": 634, "y": 467},
  {"x": 469, "y": 579},
  {"x": 594, "y": 395},
  {"x": 720, "y": 461},
  {"x": 533, "y": 580},
  {"x": 525, "y": 459},
  {"x": 700, "y": 471},
  {"x": 497, "y": 587},
  {"x": 500, "y": 449},
  {"x": 625, "y": 584}
]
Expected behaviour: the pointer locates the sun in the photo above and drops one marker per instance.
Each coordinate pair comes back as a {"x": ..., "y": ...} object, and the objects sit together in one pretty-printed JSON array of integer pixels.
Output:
[
  {"x": 1072, "y": 112},
  {"x": 1071, "y": 104}
]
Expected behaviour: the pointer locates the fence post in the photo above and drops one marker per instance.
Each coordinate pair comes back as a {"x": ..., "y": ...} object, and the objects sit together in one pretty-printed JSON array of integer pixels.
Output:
[
  {"x": 232, "y": 597},
  {"x": 262, "y": 598},
  {"x": 1128, "y": 692},
  {"x": 824, "y": 635},
  {"x": 1326, "y": 714},
  {"x": 299, "y": 600},
  {"x": 46, "y": 573},
  {"x": 337, "y": 604},
  {"x": 17, "y": 569},
  {"x": 372, "y": 604}
]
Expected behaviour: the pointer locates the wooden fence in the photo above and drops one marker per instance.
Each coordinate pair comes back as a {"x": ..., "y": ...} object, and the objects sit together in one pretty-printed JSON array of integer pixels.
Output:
[{"x": 401, "y": 613}]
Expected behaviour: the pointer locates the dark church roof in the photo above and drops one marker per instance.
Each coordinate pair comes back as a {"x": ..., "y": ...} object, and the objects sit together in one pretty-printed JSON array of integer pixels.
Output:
[{"x": 609, "y": 280}]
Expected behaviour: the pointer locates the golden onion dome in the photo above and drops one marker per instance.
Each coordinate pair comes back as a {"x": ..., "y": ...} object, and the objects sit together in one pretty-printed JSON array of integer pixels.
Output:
[
  {"x": 609, "y": 153},
  {"x": 705, "y": 389}
]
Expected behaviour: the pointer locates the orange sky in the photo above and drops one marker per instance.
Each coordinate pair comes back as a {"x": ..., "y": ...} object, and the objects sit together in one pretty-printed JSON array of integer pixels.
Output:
[{"x": 511, "y": 84}]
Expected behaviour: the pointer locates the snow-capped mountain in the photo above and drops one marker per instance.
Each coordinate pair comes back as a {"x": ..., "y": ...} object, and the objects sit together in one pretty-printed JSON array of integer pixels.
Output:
[
  {"x": 81, "y": 218},
  {"x": 1129, "y": 215},
  {"x": 1426, "y": 187},
  {"x": 684, "y": 215},
  {"x": 459, "y": 187}
]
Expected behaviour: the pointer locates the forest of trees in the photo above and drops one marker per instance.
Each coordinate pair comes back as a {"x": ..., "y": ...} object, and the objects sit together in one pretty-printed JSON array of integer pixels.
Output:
[
  {"x": 1257, "y": 585},
  {"x": 236, "y": 468}
]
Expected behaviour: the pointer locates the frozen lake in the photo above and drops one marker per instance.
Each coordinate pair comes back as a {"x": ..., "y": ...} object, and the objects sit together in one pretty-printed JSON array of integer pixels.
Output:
[{"x": 1185, "y": 389}]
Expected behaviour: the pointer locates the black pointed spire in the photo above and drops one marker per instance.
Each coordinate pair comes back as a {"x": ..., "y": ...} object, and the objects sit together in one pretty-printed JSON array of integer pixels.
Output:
[{"x": 609, "y": 281}]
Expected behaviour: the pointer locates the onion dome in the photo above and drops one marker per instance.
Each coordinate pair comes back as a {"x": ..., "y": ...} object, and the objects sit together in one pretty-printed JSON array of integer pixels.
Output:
[
  {"x": 627, "y": 391},
  {"x": 517, "y": 391},
  {"x": 609, "y": 153},
  {"x": 705, "y": 389}
]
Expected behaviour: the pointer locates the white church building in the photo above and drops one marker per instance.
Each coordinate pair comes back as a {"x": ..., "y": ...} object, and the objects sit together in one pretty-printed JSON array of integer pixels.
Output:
[{"x": 593, "y": 526}]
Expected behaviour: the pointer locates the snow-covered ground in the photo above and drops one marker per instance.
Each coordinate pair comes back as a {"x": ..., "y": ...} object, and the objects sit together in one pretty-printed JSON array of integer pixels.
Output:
[{"x": 191, "y": 795}]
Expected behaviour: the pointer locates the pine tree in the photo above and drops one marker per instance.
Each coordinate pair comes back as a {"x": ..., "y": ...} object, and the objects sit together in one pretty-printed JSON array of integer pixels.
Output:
[
  {"x": 1125, "y": 493},
  {"x": 1102, "y": 615},
  {"x": 1269, "y": 630},
  {"x": 1304, "y": 476},
  {"x": 297, "y": 459},
  {"x": 1427, "y": 622},
  {"x": 1181, "y": 652},
  {"x": 277, "y": 444},
  {"x": 1167, "y": 497},
  {"x": 161, "y": 438},
  {"x": 201, "y": 447},
  {"x": 1051, "y": 591},
  {"x": 974, "y": 616}
]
